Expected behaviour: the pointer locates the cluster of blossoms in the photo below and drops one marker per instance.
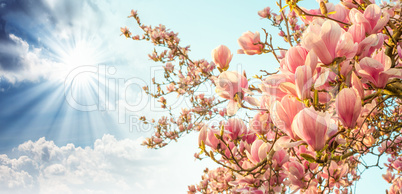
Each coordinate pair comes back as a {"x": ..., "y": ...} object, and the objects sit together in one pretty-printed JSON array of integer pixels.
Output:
[
  {"x": 335, "y": 99},
  {"x": 213, "y": 181}
]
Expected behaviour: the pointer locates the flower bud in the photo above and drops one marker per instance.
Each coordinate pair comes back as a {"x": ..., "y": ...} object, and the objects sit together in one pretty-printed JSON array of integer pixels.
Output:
[{"x": 222, "y": 56}]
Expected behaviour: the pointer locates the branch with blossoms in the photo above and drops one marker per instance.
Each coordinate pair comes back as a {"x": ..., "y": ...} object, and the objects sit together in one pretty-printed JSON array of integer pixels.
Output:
[{"x": 335, "y": 99}]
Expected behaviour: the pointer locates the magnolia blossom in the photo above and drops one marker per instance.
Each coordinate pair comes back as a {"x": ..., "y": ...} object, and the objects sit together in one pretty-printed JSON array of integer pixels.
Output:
[
  {"x": 328, "y": 40},
  {"x": 377, "y": 70},
  {"x": 249, "y": 43},
  {"x": 222, "y": 57},
  {"x": 371, "y": 19},
  {"x": 389, "y": 177},
  {"x": 295, "y": 57},
  {"x": 366, "y": 45},
  {"x": 235, "y": 128},
  {"x": 261, "y": 123},
  {"x": 280, "y": 157},
  {"x": 335, "y": 171},
  {"x": 271, "y": 85},
  {"x": 348, "y": 106},
  {"x": 169, "y": 67},
  {"x": 312, "y": 126},
  {"x": 259, "y": 151},
  {"x": 265, "y": 13},
  {"x": 228, "y": 84},
  {"x": 207, "y": 136},
  {"x": 283, "y": 113},
  {"x": 295, "y": 174}
]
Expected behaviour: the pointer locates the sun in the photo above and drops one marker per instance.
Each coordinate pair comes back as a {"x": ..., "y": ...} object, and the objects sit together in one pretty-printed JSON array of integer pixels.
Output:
[
  {"x": 77, "y": 59},
  {"x": 82, "y": 54}
]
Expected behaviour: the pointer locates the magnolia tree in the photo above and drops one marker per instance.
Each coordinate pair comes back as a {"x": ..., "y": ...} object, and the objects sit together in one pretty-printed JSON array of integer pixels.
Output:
[{"x": 335, "y": 99}]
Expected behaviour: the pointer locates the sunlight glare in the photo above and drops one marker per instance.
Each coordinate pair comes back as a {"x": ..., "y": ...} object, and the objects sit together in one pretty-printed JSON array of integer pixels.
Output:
[{"x": 82, "y": 54}]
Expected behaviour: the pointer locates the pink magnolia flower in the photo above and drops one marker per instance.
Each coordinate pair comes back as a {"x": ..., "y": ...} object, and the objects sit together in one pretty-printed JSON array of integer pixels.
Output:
[
  {"x": 358, "y": 32},
  {"x": 261, "y": 123},
  {"x": 396, "y": 186},
  {"x": 298, "y": 83},
  {"x": 208, "y": 137},
  {"x": 126, "y": 32},
  {"x": 169, "y": 67},
  {"x": 294, "y": 58},
  {"x": 211, "y": 140},
  {"x": 170, "y": 87},
  {"x": 373, "y": 46},
  {"x": 346, "y": 46},
  {"x": 222, "y": 57},
  {"x": 133, "y": 13},
  {"x": 377, "y": 70},
  {"x": 235, "y": 128},
  {"x": 328, "y": 40},
  {"x": 366, "y": 45},
  {"x": 267, "y": 101},
  {"x": 249, "y": 137},
  {"x": 271, "y": 85},
  {"x": 283, "y": 113},
  {"x": 335, "y": 171},
  {"x": 389, "y": 177},
  {"x": 348, "y": 106},
  {"x": 265, "y": 13},
  {"x": 371, "y": 18},
  {"x": 191, "y": 189},
  {"x": 259, "y": 151},
  {"x": 249, "y": 43},
  {"x": 280, "y": 157},
  {"x": 397, "y": 164},
  {"x": 312, "y": 126},
  {"x": 228, "y": 84},
  {"x": 295, "y": 174}
]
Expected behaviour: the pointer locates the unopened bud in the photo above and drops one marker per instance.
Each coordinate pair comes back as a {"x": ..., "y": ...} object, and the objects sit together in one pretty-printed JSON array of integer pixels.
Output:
[{"x": 323, "y": 8}]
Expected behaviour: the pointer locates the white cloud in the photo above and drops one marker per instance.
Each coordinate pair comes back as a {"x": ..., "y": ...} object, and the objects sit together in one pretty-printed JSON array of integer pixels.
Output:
[
  {"x": 109, "y": 166},
  {"x": 26, "y": 62},
  {"x": 42, "y": 167}
]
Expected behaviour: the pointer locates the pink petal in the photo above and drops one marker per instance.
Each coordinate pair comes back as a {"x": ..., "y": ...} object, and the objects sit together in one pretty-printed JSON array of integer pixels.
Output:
[
  {"x": 304, "y": 81},
  {"x": 319, "y": 47},
  {"x": 372, "y": 14},
  {"x": 330, "y": 34},
  {"x": 289, "y": 88},
  {"x": 232, "y": 108},
  {"x": 381, "y": 23},
  {"x": 251, "y": 100}
]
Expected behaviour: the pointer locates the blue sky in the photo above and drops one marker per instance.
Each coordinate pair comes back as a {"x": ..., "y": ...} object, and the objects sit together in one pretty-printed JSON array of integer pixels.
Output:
[{"x": 70, "y": 92}]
